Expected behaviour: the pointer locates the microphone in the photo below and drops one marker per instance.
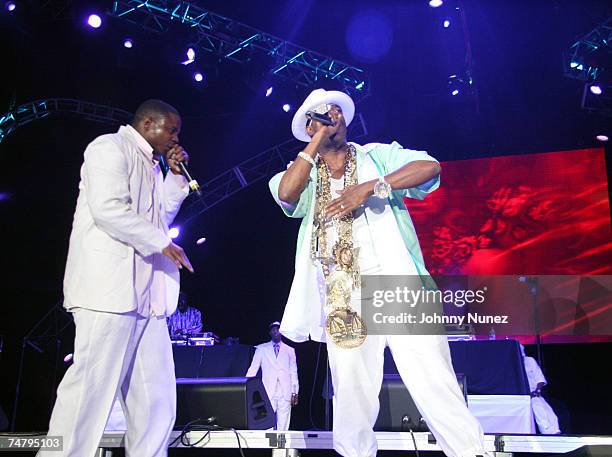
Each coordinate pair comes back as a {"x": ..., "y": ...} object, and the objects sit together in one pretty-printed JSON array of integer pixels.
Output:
[
  {"x": 193, "y": 184},
  {"x": 322, "y": 118}
]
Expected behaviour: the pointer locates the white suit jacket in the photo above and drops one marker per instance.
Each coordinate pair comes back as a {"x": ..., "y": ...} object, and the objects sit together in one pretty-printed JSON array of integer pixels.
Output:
[
  {"x": 282, "y": 368},
  {"x": 109, "y": 228}
]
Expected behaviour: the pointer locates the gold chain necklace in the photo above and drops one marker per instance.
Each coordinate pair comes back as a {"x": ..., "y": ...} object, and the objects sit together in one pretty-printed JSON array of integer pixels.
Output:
[{"x": 343, "y": 325}]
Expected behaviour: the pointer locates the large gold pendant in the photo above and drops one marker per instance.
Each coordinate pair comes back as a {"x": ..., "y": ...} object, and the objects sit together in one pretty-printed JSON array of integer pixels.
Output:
[
  {"x": 346, "y": 328},
  {"x": 343, "y": 325}
]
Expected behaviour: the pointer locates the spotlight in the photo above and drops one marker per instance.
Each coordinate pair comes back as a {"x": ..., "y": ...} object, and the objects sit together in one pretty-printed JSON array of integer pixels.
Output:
[
  {"x": 68, "y": 358},
  {"x": 595, "y": 89},
  {"x": 602, "y": 138},
  {"x": 94, "y": 21},
  {"x": 269, "y": 91},
  {"x": 10, "y": 6},
  {"x": 190, "y": 56},
  {"x": 200, "y": 241},
  {"x": 435, "y": 3},
  {"x": 286, "y": 107},
  {"x": 446, "y": 23},
  {"x": 128, "y": 43},
  {"x": 573, "y": 64},
  {"x": 174, "y": 232},
  {"x": 455, "y": 92},
  {"x": 198, "y": 77}
]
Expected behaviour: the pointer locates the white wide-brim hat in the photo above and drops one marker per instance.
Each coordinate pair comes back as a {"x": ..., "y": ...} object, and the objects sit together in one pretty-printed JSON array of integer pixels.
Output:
[{"x": 316, "y": 98}]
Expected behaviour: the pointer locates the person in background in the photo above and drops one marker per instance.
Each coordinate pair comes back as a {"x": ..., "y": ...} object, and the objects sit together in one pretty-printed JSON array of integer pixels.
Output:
[
  {"x": 547, "y": 420},
  {"x": 279, "y": 375},
  {"x": 186, "y": 320}
]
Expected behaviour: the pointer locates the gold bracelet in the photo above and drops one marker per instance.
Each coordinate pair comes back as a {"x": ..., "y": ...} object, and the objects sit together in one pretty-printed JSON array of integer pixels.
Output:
[{"x": 307, "y": 158}]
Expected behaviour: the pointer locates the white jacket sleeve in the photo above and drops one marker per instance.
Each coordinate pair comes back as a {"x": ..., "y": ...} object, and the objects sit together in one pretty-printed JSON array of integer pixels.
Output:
[
  {"x": 255, "y": 364},
  {"x": 176, "y": 189},
  {"x": 295, "y": 385},
  {"x": 106, "y": 182}
]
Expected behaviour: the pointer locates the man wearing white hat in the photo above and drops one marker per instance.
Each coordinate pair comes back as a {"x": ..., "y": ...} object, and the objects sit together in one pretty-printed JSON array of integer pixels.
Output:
[
  {"x": 279, "y": 375},
  {"x": 354, "y": 221}
]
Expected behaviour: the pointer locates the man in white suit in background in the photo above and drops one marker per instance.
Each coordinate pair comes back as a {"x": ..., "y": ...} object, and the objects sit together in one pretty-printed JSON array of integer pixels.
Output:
[
  {"x": 122, "y": 279},
  {"x": 279, "y": 375}
]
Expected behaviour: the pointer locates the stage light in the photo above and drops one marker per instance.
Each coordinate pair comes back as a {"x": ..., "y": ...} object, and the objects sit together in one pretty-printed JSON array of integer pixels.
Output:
[
  {"x": 602, "y": 138},
  {"x": 94, "y": 21},
  {"x": 174, "y": 232},
  {"x": 435, "y": 3},
  {"x": 198, "y": 77},
  {"x": 269, "y": 91},
  {"x": 190, "y": 56},
  {"x": 286, "y": 107},
  {"x": 128, "y": 43},
  {"x": 595, "y": 89},
  {"x": 574, "y": 64},
  {"x": 360, "y": 85},
  {"x": 455, "y": 92},
  {"x": 10, "y": 6},
  {"x": 201, "y": 241},
  {"x": 446, "y": 23},
  {"x": 68, "y": 358}
]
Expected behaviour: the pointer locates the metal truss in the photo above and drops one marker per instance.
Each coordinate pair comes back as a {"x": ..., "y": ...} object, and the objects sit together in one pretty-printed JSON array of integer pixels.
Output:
[
  {"x": 253, "y": 170},
  {"x": 583, "y": 59},
  {"x": 40, "y": 109},
  {"x": 238, "y": 42},
  {"x": 249, "y": 172}
]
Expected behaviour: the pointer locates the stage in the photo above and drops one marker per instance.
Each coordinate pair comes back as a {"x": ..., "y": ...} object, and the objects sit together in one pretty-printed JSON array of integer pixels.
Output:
[{"x": 501, "y": 445}]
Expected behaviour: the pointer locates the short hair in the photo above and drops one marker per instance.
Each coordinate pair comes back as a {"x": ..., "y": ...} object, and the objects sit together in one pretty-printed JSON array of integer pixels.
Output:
[{"x": 155, "y": 109}]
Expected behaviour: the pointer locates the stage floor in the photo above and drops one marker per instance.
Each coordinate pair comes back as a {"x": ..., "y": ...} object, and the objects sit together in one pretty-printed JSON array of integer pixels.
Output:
[{"x": 502, "y": 445}]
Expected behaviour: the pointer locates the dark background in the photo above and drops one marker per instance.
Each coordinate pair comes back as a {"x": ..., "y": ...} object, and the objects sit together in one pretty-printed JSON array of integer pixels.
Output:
[{"x": 244, "y": 270}]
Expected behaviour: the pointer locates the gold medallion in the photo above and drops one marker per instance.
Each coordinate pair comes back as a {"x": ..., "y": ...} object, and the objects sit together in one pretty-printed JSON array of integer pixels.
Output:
[{"x": 346, "y": 328}]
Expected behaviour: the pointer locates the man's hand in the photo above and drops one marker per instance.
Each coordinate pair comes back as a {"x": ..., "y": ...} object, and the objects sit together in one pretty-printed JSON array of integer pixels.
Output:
[
  {"x": 175, "y": 253},
  {"x": 294, "y": 399},
  {"x": 350, "y": 198},
  {"x": 175, "y": 155}
]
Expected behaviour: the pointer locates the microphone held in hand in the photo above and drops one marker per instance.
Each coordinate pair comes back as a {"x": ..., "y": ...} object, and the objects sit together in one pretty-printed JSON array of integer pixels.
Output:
[
  {"x": 322, "y": 118},
  {"x": 193, "y": 184}
]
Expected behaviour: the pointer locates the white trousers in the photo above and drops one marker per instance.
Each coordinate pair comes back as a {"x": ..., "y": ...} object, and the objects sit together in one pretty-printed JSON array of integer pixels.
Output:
[
  {"x": 124, "y": 355},
  {"x": 424, "y": 364},
  {"x": 282, "y": 407}
]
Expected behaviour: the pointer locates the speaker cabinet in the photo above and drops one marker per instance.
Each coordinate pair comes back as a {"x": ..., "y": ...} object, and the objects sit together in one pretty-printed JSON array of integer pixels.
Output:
[
  {"x": 240, "y": 403},
  {"x": 398, "y": 413}
]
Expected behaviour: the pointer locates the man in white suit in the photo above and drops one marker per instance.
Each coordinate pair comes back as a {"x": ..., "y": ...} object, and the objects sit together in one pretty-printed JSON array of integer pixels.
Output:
[
  {"x": 279, "y": 375},
  {"x": 121, "y": 281}
]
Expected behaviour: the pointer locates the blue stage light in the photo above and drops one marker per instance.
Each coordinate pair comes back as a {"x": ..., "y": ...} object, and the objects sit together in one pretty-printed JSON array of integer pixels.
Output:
[
  {"x": 286, "y": 107},
  {"x": 269, "y": 91}
]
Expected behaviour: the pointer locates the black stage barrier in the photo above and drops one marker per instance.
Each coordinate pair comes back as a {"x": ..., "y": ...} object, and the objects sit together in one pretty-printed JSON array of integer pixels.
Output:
[
  {"x": 237, "y": 402},
  {"x": 212, "y": 361},
  {"x": 491, "y": 367}
]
